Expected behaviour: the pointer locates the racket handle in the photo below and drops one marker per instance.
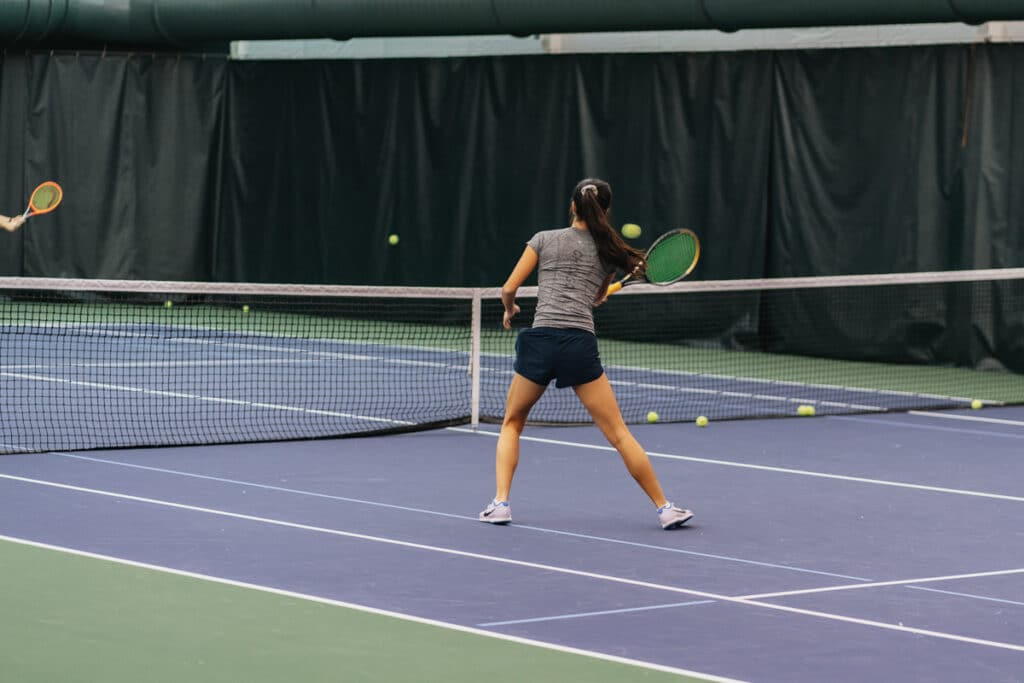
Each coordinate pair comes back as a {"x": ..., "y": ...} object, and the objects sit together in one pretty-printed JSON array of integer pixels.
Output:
[{"x": 614, "y": 287}]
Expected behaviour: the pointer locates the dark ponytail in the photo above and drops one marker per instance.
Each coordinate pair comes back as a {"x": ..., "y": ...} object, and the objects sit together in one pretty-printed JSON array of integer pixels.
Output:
[{"x": 593, "y": 199}]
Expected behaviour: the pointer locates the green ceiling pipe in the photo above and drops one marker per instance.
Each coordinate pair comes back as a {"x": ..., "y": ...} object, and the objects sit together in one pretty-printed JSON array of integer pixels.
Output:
[{"x": 181, "y": 23}]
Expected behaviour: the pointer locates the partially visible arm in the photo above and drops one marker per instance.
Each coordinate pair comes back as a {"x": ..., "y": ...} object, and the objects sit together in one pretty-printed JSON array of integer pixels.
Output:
[
  {"x": 11, "y": 224},
  {"x": 527, "y": 262},
  {"x": 602, "y": 292}
]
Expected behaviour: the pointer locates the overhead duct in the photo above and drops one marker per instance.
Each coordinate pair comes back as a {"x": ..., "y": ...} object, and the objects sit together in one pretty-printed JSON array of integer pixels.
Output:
[{"x": 183, "y": 23}]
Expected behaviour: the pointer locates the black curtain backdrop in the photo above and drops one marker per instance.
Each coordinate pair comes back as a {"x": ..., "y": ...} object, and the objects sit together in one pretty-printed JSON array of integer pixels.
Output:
[
  {"x": 867, "y": 170},
  {"x": 465, "y": 159},
  {"x": 136, "y": 144},
  {"x": 820, "y": 162},
  {"x": 13, "y": 195}
]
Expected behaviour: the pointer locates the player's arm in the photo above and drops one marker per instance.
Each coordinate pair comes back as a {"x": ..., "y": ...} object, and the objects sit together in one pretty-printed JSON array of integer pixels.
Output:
[
  {"x": 527, "y": 262},
  {"x": 602, "y": 291},
  {"x": 11, "y": 224}
]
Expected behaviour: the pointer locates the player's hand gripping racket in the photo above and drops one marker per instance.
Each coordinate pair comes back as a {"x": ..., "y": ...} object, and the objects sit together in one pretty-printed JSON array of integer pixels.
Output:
[
  {"x": 672, "y": 257},
  {"x": 44, "y": 199}
]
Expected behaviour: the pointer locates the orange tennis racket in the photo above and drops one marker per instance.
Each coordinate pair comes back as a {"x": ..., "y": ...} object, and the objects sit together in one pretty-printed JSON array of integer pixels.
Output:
[{"x": 44, "y": 199}]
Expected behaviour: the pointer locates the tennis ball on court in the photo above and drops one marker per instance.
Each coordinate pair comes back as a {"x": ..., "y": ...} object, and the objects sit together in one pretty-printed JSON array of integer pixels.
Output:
[
  {"x": 392, "y": 239},
  {"x": 631, "y": 230},
  {"x": 702, "y": 421},
  {"x": 976, "y": 404},
  {"x": 652, "y": 417},
  {"x": 168, "y": 303},
  {"x": 807, "y": 411},
  {"x": 245, "y": 308}
]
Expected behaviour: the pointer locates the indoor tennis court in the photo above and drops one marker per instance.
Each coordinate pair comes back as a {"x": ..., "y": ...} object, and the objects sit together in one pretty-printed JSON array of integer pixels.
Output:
[
  {"x": 845, "y": 548},
  {"x": 257, "y": 260},
  {"x": 871, "y": 539}
]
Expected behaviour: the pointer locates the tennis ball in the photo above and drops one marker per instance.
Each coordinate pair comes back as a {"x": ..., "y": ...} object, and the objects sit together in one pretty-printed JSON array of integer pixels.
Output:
[
  {"x": 392, "y": 239},
  {"x": 631, "y": 230},
  {"x": 652, "y": 417},
  {"x": 245, "y": 308},
  {"x": 807, "y": 411},
  {"x": 168, "y": 303},
  {"x": 976, "y": 404},
  {"x": 702, "y": 421}
]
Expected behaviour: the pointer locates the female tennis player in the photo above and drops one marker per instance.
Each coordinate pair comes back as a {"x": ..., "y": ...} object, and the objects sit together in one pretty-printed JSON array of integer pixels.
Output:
[
  {"x": 12, "y": 223},
  {"x": 576, "y": 266}
]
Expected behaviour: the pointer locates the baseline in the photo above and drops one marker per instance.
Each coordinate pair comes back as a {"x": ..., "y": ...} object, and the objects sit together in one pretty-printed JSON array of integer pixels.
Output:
[{"x": 525, "y": 564}]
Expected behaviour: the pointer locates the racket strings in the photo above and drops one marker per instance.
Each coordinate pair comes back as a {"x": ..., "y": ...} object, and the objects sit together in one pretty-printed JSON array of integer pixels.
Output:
[
  {"x": 45, "y": 197},
  {"x": 671, "y": 259}
]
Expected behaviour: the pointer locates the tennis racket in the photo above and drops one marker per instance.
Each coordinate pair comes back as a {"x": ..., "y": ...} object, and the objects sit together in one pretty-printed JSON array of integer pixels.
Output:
[
  {"x": 44, "y": 199},
  {"x": 672, "y": 257}
]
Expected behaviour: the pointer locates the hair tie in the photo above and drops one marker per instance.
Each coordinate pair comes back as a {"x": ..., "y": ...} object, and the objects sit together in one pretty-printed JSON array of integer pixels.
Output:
[{"x": 586, "y": 188}]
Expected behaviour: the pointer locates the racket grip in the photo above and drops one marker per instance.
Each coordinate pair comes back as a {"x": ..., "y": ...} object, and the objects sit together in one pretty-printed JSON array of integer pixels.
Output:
[{"x": 614, "y": 287}]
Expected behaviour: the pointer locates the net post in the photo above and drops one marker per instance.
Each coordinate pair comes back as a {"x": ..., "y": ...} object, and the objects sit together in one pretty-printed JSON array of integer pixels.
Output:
[{"x": 474, "y": 359}]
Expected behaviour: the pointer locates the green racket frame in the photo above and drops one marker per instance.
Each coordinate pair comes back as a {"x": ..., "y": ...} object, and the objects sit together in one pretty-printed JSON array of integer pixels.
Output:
[{"x": 672, "y": 257}]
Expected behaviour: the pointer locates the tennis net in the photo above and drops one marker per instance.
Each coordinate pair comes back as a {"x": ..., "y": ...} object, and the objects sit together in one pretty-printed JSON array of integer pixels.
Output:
[{"x": 99, "y": 364}]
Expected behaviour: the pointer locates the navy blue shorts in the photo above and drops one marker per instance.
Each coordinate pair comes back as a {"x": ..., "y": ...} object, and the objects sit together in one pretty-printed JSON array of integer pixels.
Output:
[{"x": 568, "y": 356}]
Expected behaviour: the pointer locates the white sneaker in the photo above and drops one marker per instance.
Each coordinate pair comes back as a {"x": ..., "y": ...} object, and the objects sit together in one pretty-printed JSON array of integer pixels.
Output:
[
  {"x": 497, "y": 512},
  {"x": 672, "y": 517}
]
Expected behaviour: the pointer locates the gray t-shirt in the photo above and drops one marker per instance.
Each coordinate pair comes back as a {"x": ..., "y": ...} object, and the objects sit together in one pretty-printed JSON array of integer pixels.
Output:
[{"x": 569, "y": 275}]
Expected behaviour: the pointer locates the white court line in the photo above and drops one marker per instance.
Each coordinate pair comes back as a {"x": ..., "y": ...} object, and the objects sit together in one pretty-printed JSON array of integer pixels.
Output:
[
  {"x": 159, "y": 364},
  {"x": 304, "y": 492},
  {"x": 315, "y": 353},
  {"x": 763, "y": 468},
  {"x": 198, "y": 397},
  {"x": 969, "y": 418},
  {"x": 901, "y": 424},
  {"x": 740, "y": 394},
  {"x": 448, "y": 515},
  {"x": 972, "y": 596},
  {"x": 522, "y": 563},
  {"x": 779, "y": 382},
  {"x": 369, "y": 610},
  {"x": 600, "y": 613},
  {"x": 330, "y": 355},
  {"x": 879, "y": 584}
]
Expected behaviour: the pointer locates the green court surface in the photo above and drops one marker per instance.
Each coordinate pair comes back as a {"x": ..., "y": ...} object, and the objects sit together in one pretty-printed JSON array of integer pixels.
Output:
[
  {"x": 70, "y": 618},
  {"x": 996, "y": 386}
]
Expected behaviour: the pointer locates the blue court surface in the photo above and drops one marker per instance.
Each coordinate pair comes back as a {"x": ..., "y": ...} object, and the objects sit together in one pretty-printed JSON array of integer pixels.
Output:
[{"x": 835, "y": 548}]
